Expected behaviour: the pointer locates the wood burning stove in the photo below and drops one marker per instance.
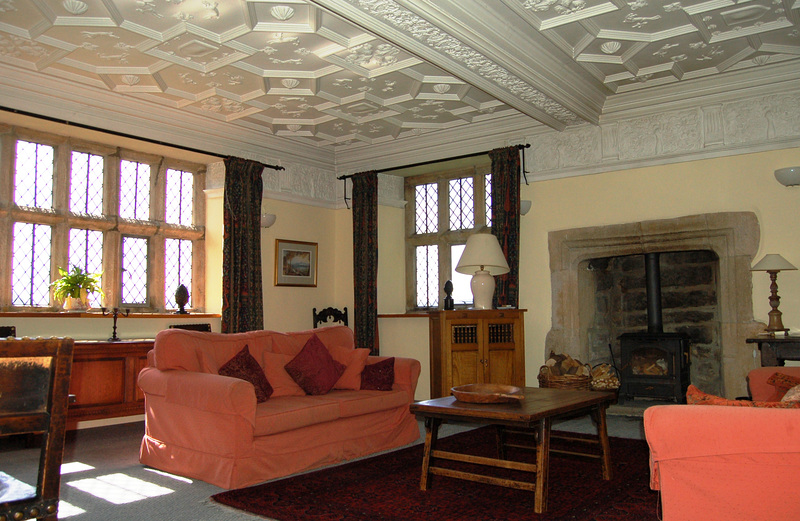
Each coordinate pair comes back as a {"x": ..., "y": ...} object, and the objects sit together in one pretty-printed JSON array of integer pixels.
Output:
[{"x": 654, "y": 364}]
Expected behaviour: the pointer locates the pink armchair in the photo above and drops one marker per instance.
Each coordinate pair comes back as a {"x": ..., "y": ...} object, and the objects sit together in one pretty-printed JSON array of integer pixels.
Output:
[{"x": 721, "y": 463}]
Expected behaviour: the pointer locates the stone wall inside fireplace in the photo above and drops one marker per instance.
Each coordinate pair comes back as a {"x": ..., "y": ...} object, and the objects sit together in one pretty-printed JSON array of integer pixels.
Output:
[
  {"x": 614, "y": 300},
  {"x": 723, "y": 357}
]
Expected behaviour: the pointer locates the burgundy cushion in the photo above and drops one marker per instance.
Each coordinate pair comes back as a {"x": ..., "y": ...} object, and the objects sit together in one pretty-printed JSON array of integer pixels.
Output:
[
  {"x": 244, "y": 367},
  {"x": 314, "y": 369},
  {"x": 378, "y": 376}
]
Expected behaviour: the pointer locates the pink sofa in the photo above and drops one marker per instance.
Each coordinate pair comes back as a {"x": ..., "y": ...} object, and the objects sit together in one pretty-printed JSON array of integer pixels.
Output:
[
  {"x": 723, "y": 463},
  {"x": 202, "y": 425}
]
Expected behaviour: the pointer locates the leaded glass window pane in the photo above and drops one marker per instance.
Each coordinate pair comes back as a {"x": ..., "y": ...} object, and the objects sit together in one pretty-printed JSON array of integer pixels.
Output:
[
  {"x": 30, "y": 265},
  {"x": 462, "y": 209},
  {"x": 179, "y": 193},
  {"x": 86, "y": 252},
  {"x": 426, "y": 204},
  {"x": 134, "y": 190},
  {"x": 177, "y": 269},
  {"x": 427, "y": 276},
  {"x": 134, "y": 270},
  {"x": 487, "y": 186},
  {"x": 33, "y": 175},
  {"x": 86, "y": 184}
]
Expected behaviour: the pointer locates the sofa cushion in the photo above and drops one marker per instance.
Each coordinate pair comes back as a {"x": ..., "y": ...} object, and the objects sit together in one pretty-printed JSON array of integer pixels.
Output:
[
  {"x": 782, "y": 383},
  {"x": 355, "y": 403},
  {"x": 288, "y": 413},
  {"x": 314, "y": 369},
  {"x": 354, "y": 361},
  {"x": 792, "y": 395},
  {"x": 244, "y": 367},
  {"x": 378, "y": 376},
  {"x": 695, "y": 396},
  {"x": 282, "y": 384}
]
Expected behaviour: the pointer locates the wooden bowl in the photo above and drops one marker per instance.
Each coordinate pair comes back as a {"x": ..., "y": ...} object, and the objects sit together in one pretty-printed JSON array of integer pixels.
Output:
[{"x": 487, "y": 393}]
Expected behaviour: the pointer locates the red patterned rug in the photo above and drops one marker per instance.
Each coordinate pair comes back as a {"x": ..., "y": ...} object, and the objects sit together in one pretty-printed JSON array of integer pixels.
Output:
[{"x": 386, "y": 488}]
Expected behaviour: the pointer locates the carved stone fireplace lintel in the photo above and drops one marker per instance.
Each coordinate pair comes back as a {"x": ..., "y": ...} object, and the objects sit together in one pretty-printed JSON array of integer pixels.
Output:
[{"x": 733, "y": 236}]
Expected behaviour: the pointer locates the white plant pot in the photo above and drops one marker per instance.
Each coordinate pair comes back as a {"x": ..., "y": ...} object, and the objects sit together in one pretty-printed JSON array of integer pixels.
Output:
[{"x": 74, "y": 305}]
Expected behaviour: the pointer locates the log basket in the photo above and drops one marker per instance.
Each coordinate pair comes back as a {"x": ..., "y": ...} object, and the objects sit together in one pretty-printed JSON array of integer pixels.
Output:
[{"x": 567, "y": 381}]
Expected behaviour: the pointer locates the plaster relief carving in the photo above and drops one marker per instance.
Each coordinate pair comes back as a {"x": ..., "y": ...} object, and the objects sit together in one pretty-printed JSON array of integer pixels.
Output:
[{"x": 657, "y": 135}]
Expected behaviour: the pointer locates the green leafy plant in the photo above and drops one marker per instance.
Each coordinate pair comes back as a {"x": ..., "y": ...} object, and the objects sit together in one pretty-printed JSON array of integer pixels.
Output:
[{"x": 71, "y": 283}]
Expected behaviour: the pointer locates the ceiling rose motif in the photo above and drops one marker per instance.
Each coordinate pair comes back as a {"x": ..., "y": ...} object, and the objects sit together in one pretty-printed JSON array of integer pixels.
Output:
[
  {"x": 282, "y": 12},
  {"x": 75, "y": 7},
  {"x": 290, "y": 83}
]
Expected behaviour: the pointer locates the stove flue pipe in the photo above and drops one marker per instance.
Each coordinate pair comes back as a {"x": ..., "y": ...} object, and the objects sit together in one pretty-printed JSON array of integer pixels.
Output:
[{"x": 652, "y": 267}]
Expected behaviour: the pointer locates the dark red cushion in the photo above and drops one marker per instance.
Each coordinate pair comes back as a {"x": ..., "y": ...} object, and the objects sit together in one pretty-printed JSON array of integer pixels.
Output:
[
  {"x": 378, "y": 376},
  {"x": 314, "y": 369},
  {"x": 244, "y": 367}
]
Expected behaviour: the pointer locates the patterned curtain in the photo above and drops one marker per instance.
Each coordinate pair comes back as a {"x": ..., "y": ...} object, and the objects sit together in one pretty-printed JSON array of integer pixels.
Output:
[
  {"x": 365, "y": 259},
  {"x": 505, "y": 220},
  {"x": 242, "y": 299}
]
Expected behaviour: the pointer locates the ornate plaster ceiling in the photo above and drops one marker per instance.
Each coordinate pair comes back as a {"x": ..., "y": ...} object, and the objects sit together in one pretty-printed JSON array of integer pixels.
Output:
[{"x": 317, "y": 72}]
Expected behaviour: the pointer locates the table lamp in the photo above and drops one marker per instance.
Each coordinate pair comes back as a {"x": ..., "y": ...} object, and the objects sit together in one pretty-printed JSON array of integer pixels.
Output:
[
  {"x": 772, "y": 264},
  {"x": 484, "y": 259}
]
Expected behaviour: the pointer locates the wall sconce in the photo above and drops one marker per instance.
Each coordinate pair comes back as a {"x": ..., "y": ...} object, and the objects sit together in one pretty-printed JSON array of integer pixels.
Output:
[
  {"x": 772, "y": 264},
  {"x": 789, "y": 176},
  {"x": 268, "y": 219},
  {"x": 524, "y": 207}
]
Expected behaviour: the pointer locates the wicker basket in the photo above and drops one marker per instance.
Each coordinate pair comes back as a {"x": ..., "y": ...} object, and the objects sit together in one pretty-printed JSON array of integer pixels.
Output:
[{"x": 568, "y": 381}]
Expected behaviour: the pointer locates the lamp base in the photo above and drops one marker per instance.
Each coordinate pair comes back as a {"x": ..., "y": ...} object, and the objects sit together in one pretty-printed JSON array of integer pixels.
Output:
[{"x": 482, "y": 286}]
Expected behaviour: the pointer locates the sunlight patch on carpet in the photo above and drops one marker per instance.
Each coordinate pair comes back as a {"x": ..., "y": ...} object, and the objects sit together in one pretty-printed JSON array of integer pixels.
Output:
[
  {"x": 68, "y": 510},
  {"x": 75, "y": 466},
  {"x": 119, "y": 488}
]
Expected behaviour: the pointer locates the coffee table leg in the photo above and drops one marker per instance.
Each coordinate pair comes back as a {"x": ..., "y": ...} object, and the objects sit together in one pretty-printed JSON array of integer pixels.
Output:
[
  {"x": 500, "y": 435},
  {"x": 542, "y": 465},
  {"x": 602, "y": 433},
  {"x": 431, "y": 434}
]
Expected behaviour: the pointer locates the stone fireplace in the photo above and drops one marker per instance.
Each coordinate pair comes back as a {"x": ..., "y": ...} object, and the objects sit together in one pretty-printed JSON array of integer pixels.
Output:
[{"x": 709, "y": 294}]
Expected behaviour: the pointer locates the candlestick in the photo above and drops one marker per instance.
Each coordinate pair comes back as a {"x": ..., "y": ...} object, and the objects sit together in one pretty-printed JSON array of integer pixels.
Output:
[{"x": 115, "y": 312}]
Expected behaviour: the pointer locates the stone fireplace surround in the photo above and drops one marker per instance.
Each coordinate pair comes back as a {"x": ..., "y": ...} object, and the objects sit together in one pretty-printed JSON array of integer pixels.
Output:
[{"x": 733, "y": 236}]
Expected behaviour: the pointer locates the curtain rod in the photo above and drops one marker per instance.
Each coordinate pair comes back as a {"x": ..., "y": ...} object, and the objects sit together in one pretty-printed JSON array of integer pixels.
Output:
[
  {"x": 434, "y": 161},
  {"x": 122, "y": 134}
]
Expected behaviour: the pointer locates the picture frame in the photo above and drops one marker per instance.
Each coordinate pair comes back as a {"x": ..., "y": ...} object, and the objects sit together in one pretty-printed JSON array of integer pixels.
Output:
[{"x": 295, "y": 263}]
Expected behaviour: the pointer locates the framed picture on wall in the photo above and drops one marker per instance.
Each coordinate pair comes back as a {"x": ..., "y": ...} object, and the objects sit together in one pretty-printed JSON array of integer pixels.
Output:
[{"x": 295, "y": 263}]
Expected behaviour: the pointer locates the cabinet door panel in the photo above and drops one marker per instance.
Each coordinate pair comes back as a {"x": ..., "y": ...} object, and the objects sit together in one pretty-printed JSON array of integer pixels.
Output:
[
  {"x": 466, "y": 368},
  {"x": 501, "y": 367}
]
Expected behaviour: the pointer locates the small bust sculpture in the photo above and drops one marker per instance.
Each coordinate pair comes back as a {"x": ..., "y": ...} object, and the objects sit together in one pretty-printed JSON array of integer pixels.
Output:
[
  {"x": 448, "y": 300},
  {"x": 181, "y": 298}
]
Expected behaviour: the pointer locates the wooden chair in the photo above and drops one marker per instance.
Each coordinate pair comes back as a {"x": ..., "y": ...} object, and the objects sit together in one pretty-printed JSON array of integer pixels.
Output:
[
  {"x": 332, "y": 315},
  {"x": 34, "y": 395}
]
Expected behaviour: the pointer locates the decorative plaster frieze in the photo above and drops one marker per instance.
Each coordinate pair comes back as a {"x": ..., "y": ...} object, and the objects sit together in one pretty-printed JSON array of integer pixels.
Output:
[{"x": 740, "y": 126}]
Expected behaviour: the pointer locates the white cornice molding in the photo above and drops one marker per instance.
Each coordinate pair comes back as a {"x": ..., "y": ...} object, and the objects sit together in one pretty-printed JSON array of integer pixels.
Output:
[{"x": 33, "y": 92}]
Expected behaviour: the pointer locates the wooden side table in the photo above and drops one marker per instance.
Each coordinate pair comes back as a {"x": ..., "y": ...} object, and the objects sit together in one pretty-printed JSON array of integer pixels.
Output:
[{"x": 776, "y": 350}]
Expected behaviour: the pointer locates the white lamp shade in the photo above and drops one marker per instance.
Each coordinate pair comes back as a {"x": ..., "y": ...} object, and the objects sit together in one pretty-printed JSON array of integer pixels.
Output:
[
  {"x": 482, "y": 252},
  {"x": 789, "y": 176},
  {"x": 268, "y": 219},
  {"x": 773, "y": 262},
  {"x": 483, "y": 257}
]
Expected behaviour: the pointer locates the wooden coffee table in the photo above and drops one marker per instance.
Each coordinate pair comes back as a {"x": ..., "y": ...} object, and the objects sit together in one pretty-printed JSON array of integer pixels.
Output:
[{"x": 533, "y": 415}]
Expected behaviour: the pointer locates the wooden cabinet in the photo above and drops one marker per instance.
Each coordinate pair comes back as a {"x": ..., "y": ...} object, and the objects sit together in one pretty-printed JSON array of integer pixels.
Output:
[
  {"x": 104, "y": 379},
  {"x": 476, "y": 346}
]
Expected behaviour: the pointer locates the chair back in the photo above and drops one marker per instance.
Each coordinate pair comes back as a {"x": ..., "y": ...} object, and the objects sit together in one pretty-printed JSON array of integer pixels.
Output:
[
  {"x": 7, "y": 331},
  {"x": 330, "y": 315},
  {"x": 34, "y": 396}
]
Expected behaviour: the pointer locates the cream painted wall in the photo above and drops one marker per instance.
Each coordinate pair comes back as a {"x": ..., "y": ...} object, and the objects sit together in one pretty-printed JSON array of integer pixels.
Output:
[{"x": 739, "y": 183}]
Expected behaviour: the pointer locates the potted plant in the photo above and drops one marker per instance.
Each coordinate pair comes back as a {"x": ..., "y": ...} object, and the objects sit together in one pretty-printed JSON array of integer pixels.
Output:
[{"x": 74, "y": 287}]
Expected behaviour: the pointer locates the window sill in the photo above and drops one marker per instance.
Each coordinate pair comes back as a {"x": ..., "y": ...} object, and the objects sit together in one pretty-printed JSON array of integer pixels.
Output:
[{"x": 91, "y": 314}]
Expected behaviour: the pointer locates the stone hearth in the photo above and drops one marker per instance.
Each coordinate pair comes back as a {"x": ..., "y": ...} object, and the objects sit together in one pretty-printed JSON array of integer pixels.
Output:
[{"x": 732, "y": 237}]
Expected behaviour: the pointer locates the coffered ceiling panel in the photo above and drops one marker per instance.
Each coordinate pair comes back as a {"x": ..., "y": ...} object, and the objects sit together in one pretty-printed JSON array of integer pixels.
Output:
[{"x": 340, "y": 72}]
